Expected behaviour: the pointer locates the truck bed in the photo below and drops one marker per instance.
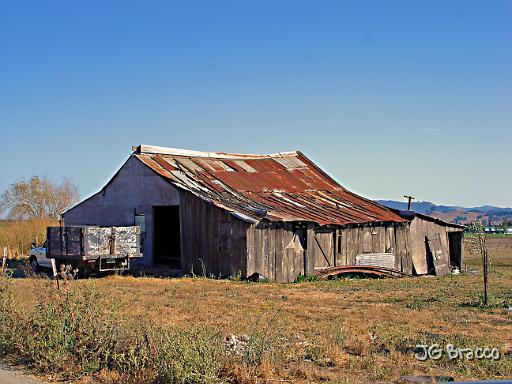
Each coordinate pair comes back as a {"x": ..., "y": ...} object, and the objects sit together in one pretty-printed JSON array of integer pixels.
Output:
[{"x": 91, "y": 242}]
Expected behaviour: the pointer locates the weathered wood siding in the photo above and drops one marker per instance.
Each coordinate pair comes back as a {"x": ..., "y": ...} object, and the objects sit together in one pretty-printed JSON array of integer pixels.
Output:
[
  {"x": 281, "y": 252},
  {"x": 403, "y": 260},
  {"x": 211, "y": 239},
  {"x": 330, "y": 246},
  {"x": 321, "y": 247},
  {"x": 275, "y": 251},
  {"x": 421, "y": 229}
]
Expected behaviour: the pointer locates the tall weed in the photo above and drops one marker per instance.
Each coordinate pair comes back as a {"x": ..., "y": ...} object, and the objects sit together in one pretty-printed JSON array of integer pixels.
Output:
[{"x": 71, "y": 334}]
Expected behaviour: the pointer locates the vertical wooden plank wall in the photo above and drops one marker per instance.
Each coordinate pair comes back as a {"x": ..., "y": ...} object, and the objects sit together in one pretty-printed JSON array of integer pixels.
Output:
[
  {"x": 211, "y": 237},
  {"x": 289, "y": 255},
  {"x": 403, "y": 261},
  {"x": 274, "y": 251},
  {"x": 321, "y": 247},
  {"x": 420, "y": 229},
  {"x": 228, "y": 246},
  {"x": 380, "y": 238},
  {"x": 418, "y": 250}
]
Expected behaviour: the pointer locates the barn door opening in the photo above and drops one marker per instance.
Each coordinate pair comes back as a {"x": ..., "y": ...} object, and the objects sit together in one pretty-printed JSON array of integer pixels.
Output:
[
  {"x": 166, "y": 236},
  {"x": 455, "y": 245},
  {"x": 430, "y": 259}
]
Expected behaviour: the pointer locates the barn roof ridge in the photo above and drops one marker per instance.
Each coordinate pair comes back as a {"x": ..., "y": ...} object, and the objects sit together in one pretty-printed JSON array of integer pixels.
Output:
[{"x": 158, "y": 150}]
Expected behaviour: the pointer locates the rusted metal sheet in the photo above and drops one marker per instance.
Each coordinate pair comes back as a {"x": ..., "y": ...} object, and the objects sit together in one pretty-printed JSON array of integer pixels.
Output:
[
  {"x": 285, "y": 186},
  {"x": 359, "y": 269}
]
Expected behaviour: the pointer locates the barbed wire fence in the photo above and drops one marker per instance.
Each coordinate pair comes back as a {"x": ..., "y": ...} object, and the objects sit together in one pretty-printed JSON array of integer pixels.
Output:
[{"x": 478, "y": 244}]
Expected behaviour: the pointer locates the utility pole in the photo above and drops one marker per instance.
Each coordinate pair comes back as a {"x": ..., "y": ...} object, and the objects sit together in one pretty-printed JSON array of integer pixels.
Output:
[{"x": 410, "y": 199}]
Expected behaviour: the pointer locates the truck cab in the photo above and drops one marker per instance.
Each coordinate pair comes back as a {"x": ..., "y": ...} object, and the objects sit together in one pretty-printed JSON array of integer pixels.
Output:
[{"x": 37, "y": 258}]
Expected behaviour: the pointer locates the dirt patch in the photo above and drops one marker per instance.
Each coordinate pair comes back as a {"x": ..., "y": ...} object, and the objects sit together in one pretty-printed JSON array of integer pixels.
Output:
[{"x": 11, "y": 375}]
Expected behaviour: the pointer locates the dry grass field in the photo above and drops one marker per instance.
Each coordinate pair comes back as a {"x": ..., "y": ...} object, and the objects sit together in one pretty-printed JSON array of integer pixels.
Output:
[{"x": 338, "y": 331}]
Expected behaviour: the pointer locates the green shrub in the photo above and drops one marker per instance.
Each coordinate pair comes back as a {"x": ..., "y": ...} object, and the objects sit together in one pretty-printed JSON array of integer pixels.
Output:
[
  {"x": 265, "y": 341},
  {"x": 305, "y": 278},
  {"x": 191, "y": 356},
  {"x": 49, "y": 341},
  {"x": 67, "y": 331}
]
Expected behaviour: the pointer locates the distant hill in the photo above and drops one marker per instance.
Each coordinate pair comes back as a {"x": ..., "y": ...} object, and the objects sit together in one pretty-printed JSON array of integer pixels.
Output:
[{"x": 455, "y": 214}]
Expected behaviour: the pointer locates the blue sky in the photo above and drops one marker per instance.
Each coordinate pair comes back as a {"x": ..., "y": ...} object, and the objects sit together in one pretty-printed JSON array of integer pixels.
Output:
[{"x": 390, "y": 97}]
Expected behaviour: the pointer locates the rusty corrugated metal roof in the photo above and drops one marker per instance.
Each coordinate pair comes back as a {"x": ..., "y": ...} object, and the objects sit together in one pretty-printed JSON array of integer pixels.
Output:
[{"x": 279, "y": 187}]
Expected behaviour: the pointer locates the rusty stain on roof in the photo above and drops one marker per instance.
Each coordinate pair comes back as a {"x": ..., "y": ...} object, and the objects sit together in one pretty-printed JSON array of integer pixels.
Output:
[{"x": 285, "y": 186}]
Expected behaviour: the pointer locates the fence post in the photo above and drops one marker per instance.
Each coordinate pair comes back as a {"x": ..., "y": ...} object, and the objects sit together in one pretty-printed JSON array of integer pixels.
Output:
[
  {"x": 4, "y": 260},
  {"x": 486, "y": 274},
  {"x": 55, "y": 274}
]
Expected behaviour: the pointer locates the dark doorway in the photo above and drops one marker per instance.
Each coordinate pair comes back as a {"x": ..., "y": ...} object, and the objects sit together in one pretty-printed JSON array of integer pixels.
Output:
[
  {"x": 166, "y": 236},
  {"x": 455, "y": 244},
  {"x": 430, "y": 258}
]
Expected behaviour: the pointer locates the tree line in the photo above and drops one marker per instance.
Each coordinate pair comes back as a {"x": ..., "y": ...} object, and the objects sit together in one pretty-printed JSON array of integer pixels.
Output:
[{"x": 28, "y": 206}]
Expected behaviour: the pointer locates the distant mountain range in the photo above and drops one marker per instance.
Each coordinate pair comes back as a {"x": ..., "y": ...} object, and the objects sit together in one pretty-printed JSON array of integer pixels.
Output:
[{"x": 462, "y": 215}]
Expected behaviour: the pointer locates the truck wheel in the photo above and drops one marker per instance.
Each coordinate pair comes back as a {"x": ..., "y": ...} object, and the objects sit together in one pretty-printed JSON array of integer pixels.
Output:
[
  {"x": 83, "y": 273},
  {"x": 34, "y": 264}
]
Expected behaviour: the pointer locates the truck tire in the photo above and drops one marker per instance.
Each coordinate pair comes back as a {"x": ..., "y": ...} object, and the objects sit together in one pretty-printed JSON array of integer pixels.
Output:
[
  {"x": 34, "y": 264},
  {"x": 83, "y": 273}
]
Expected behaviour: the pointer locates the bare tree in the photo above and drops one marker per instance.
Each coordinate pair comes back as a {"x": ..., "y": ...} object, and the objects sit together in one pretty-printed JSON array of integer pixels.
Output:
[{"x": 37, "y": 197}]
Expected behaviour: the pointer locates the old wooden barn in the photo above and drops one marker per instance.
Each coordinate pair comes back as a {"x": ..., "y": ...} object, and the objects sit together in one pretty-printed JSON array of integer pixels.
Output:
[{"x": 277, "y": 215}]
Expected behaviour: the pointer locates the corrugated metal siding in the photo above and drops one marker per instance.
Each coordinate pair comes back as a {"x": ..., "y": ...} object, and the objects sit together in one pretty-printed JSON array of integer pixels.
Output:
[{"x": 386, "y": 260}]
